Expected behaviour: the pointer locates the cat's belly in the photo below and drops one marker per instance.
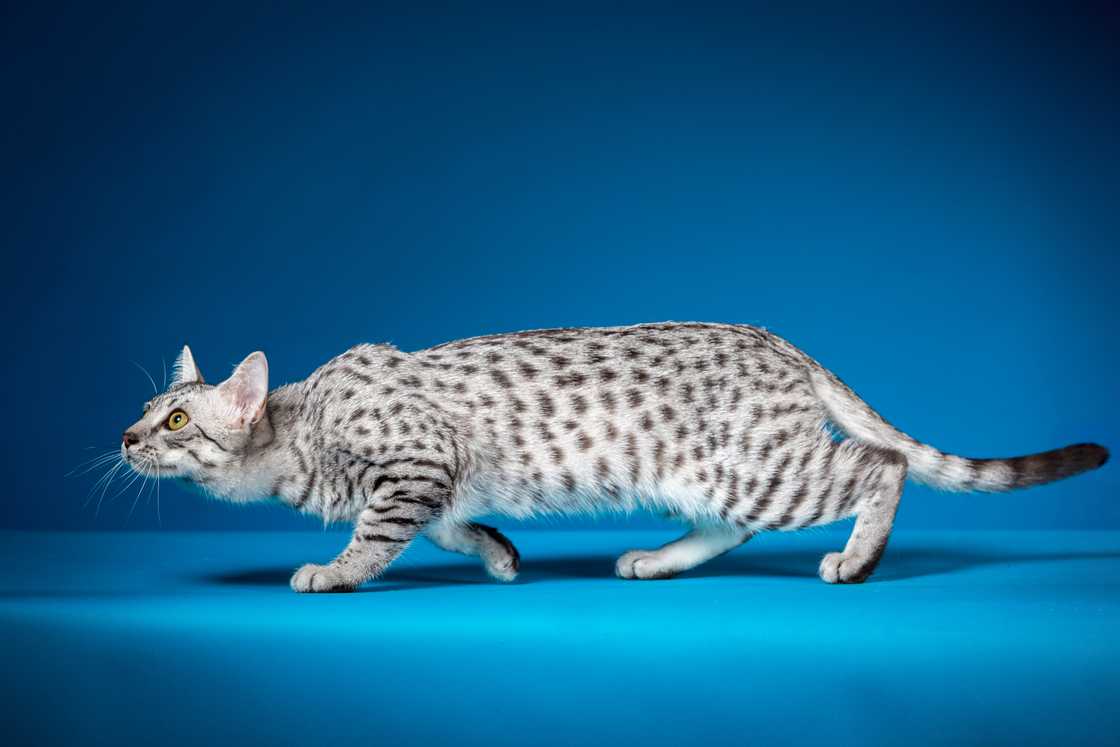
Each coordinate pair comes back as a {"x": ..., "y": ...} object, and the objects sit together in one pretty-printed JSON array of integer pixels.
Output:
[{"x": 526, "y": 494}]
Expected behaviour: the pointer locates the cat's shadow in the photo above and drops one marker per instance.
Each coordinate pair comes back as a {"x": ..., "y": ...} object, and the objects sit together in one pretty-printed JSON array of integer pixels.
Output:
[{"x": 899, "y": 564}]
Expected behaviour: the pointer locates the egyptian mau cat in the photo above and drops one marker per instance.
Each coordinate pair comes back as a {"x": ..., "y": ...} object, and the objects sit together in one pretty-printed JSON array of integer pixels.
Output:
[{"x": 729, "y": 428}]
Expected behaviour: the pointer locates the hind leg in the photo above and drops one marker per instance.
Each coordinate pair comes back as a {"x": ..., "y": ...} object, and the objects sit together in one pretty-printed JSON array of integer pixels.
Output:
[
  {"x": 876, "y": 478},
  {"x": 498, "y": 554},
  {"x": 698, "y": 546}
]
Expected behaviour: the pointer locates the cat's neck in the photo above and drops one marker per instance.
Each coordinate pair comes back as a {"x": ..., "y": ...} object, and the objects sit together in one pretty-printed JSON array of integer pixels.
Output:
[{"x": 268, "y": 457}]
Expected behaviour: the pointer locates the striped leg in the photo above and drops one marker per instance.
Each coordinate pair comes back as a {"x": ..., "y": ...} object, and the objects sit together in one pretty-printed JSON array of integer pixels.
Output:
[
  {"x": 698, "y": 546},
  {"x": 498, "y": 554},
  {"x": 381, "y": 534},
  {"x": 872, "y": 491}
]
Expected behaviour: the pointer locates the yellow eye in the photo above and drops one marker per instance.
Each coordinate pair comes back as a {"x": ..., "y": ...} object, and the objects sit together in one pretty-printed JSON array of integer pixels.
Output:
[{"x": 177, "y": 420}]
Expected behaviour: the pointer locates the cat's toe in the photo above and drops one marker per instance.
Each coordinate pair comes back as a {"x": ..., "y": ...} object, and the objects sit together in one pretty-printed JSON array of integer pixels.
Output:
[
  {"x": 644, "y": 565},
  {"x": 319, "y": 578},
  {"x": 830, "y": 567},
  {"x": 652, "y": 568},
  {"x": 841, "y": 568},
  {"x": 624, "y": 566}
]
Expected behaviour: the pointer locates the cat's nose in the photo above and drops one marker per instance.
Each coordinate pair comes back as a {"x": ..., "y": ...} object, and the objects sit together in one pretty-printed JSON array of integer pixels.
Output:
[{"x": 130, "y": 439}]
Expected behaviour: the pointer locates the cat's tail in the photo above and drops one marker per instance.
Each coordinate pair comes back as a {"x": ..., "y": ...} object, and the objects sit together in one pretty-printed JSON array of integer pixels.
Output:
[{"x": 947, "y": 471}]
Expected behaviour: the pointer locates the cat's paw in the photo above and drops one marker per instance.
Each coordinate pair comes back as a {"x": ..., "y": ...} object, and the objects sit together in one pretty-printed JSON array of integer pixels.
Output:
[
  {"x": 502, "y": 566},
  {"x": 842, "y": 568},
  {"x": 319, "y": 578},
  {"x": 500, "y": 557},
  {"x": 643, "y": 564}
]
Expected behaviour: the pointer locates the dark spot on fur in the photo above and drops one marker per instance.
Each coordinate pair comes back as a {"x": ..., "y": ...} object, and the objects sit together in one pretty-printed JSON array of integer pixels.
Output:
[
  {"x": 546, "y": 404},
  {"x": 575, "y": 378}
]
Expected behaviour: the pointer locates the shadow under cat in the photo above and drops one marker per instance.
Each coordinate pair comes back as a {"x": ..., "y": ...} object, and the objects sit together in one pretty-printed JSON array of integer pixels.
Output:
[{"x": 900, "y": 564}]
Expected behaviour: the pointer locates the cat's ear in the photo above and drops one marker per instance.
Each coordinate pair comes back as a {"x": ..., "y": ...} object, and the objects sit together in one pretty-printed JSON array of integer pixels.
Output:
[
  {"x": 245, "y": 392},
  {"x": 186, "y": 370}
]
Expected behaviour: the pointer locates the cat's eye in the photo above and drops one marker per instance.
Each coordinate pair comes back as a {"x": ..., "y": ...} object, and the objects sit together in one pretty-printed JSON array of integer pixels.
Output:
[{"x": 177, "y": 420}]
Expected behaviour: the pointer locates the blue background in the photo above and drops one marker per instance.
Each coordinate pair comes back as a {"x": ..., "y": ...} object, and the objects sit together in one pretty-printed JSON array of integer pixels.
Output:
[{"x": 923, "y": 199}]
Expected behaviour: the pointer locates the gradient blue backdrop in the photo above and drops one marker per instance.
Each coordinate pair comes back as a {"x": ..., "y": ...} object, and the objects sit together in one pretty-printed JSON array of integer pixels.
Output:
[{"x": 925, "y": 200}]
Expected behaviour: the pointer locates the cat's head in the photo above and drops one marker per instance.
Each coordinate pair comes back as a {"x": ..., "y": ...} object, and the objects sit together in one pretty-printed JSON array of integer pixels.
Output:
[{"x": 198, "y": 431}]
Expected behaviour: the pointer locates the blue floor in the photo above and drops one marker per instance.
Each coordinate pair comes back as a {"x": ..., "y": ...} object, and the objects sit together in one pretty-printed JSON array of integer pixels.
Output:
[{"x": 974, "y": 638}]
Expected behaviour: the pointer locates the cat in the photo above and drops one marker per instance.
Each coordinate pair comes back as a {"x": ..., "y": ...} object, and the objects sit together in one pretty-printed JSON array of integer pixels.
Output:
[{"x": 730, "y": 428}]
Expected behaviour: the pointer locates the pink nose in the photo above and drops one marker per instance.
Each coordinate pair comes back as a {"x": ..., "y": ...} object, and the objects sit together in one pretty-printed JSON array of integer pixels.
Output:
[{"x": 130, "y": 439}]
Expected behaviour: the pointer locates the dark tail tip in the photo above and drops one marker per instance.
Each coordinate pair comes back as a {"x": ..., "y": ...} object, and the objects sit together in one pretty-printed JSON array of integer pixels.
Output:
[
  {"x": 1039, "y": 469},
  {"x": 1088, "y": 456}
]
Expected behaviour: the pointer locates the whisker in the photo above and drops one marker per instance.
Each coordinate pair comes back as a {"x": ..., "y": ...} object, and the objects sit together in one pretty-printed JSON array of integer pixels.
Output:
[
  {"x": 159, "y": 519},
  {"x": 146, "y": 374},
  {"x": 105, "y": 487},
  {"x": 104, "y": 476},
  {"x": 91, "y": 464},
  {"x": 135, "y": 476},
  {"x": 147, "y": 471},
  {"x": 98, "y": 456},
  {"x": 163, "y": 363}
]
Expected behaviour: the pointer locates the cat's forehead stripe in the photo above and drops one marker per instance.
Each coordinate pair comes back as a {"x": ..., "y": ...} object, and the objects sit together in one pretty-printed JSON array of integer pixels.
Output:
[{"x": 185, "y": 387}]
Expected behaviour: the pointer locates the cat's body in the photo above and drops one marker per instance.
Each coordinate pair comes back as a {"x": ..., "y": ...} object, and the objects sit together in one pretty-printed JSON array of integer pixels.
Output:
[{"x": 727, "y": 427}]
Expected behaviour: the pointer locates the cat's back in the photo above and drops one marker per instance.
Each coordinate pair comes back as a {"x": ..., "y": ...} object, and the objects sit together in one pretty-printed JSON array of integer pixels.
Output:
[
  {"x": 685, "y": 369},
  {"x": 623, "y": 410},
  {"x": 678, "y": 370},
  {"x": 668, "y": 347}
]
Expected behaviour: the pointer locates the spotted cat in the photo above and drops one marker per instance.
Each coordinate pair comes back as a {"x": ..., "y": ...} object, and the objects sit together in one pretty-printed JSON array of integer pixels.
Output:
[{"x": 728, "y": 427}]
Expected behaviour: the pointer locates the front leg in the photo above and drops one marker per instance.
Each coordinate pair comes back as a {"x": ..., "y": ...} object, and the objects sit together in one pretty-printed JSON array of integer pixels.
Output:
[{"x": 382, "y": 532}]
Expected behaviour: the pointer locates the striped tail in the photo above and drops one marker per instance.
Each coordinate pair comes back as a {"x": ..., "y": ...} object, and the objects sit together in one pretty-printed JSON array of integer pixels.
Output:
[{"x": 947, "y": 471}]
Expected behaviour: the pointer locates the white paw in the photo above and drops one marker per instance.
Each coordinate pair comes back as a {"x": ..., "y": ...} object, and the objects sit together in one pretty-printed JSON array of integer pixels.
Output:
[
  {"x": 840, "y": 568},
  {"x": 502, "y": 567},
  {"x": 642, "y": 564},
  {"x": 499, "y": 555},
  {"x": 313, "y": 578}
]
